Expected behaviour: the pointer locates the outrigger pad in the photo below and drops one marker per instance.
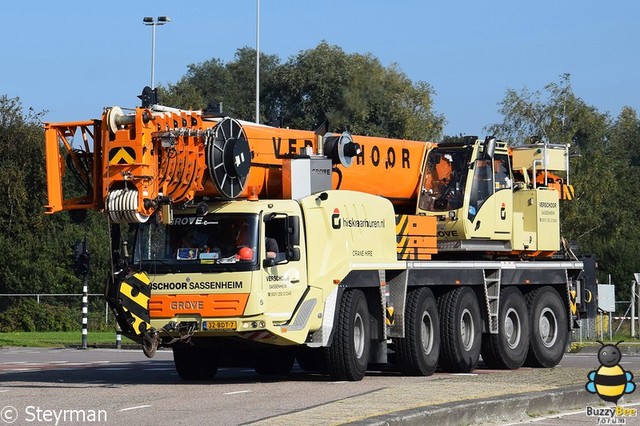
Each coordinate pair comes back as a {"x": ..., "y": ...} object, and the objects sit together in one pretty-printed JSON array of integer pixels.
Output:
[{"x": 129, "y": 300}]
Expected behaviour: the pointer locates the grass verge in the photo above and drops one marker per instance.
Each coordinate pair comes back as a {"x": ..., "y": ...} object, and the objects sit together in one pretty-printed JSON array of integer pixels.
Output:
[{"x": 58, "y": 339}]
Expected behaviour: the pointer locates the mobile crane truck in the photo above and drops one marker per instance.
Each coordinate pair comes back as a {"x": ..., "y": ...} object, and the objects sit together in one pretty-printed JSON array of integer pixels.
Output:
[{"x": 251, "y": 245}]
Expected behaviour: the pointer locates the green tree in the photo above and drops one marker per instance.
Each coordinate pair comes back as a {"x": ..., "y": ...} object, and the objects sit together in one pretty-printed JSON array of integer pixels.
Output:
[
  {"x": 241, "y": 94},
  {"x": 20, "y": 175},
  {"x": 37, "y": 248},
  {"x": 622, "y": 228},
  {"x": 197, "y": 87},
  {"x": 353, "y": 91},
  {"x": 22, "y": 178},
  {"x": 233, "y": 84},
  {"x": 554, "y": 114}
]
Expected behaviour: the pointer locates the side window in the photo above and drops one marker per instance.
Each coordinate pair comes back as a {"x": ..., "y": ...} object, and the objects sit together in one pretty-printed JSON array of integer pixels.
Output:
[
  {"x": 482, "y": 186},
  {"x": 276, "y": 238},
  {"x": 501, "y": 172},
  {"x": 445, "y": 177}
]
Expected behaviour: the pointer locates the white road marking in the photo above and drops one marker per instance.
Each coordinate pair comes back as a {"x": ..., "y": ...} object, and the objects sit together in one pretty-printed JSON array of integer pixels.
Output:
[
  {"x": 114, "y": 368},
  {"x": 134, "y": 408},
  {"x": 236, "y": 392}
]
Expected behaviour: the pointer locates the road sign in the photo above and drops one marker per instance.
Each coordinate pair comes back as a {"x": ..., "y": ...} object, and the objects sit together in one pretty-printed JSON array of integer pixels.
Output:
[{"x": 607, "y": 297}]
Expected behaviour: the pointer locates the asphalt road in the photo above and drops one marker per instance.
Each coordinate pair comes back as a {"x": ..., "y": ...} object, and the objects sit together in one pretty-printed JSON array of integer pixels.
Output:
[{"x": 59, "y": 386}]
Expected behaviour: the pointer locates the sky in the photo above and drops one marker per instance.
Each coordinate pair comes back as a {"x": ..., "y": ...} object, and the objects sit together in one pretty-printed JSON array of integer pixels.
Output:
[{"x": 73, "y": 58}]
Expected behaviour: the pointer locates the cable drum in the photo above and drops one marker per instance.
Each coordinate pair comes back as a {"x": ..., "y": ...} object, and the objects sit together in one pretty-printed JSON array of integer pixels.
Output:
[
  {"x": 122, "y": 206},
  {"x": 228, "y": 157},
  {"x": 341, "y": 148}
]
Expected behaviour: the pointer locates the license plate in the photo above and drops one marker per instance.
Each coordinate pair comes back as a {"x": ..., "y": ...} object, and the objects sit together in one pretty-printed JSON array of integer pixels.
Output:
[{"x": 220, "y": 325}]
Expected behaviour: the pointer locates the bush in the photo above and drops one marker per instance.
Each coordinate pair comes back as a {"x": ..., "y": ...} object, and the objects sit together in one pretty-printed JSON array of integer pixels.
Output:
[
  {"x": 96, "y": 321},
  {"x": 27, "y": 314}
]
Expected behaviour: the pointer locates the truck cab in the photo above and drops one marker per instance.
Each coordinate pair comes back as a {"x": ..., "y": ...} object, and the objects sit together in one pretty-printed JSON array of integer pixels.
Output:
[{"x": 232, "y": 268}]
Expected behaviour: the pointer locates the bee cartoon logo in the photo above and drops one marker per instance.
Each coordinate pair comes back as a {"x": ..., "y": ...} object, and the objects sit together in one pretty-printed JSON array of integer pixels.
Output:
[{"x": 610, "y": 381}]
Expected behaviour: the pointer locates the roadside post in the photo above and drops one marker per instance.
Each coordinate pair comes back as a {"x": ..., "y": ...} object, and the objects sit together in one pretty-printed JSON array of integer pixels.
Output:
[
  {"x": 635, "y": 294},
  {"x": 81, "y": 267}
]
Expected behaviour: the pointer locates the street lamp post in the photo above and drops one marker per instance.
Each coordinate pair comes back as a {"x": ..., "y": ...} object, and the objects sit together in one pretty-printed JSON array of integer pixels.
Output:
[
  {"x": 148, "y": 20},
  {"x": 257, "y": 61}
]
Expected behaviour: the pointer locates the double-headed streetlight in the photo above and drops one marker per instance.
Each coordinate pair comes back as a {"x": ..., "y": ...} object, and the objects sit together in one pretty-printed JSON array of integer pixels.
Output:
[
  {"x": 148, "y": 20},
  {"x": 257, "y": 61}
]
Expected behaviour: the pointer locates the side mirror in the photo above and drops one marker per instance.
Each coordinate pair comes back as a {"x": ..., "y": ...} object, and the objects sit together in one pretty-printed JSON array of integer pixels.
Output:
[
  {"x": 489, "y": 147},
  {"x": 293, "y": 222},
  {"x": 293, "y": 254}
]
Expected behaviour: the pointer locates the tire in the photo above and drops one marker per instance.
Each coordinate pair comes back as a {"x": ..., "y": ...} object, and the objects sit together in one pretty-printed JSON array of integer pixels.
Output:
[
  {"x": 149, "y": 344},
  {"x": 348, "y": 355},
  {"x": 508, "y": 349},
  {"x": 417, "y": 353},
  {"x": 311, "y": 360},
  {"x": 549, "y": 328},
  {"x": 460, "y": 330},
  {"x": 195, "y": 363},
  {"x": 274, "y": 361}
]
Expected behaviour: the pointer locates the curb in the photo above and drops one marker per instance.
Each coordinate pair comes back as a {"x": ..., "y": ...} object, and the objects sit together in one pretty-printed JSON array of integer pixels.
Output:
[
  {"x": 593, "y": 348},
  {"x": 128, "y": 346},
  {"x": 509, "y": 408}
]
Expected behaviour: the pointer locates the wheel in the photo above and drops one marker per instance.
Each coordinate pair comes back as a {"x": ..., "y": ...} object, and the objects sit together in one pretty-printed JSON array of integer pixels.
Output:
[
  {"x": 149, "y": 344},
  {"x": 274, "y": 361},
  {"x": 195, "y": 363},
  {"x": 348, "y": 354},
  {"x": 460, "y": 330},
  {"x": 549, "y": 327},
  {"x": 508, "y": 349},
  {"x": 417, "y": 353},
  {"x": 311, "y": 359}
]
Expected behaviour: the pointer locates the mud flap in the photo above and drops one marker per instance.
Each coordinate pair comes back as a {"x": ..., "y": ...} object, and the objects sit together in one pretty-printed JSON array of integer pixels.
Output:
[{"x": 128, "y": 298}]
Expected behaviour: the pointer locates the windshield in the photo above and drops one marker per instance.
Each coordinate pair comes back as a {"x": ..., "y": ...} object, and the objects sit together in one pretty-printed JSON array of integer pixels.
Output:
[
  {"x": 193, "y": 243},
  {"x": 444, "y": 179}
]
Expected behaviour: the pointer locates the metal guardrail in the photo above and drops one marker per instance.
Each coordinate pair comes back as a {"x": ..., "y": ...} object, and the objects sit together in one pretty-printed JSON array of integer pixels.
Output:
[{"x": 38, "y": 295}]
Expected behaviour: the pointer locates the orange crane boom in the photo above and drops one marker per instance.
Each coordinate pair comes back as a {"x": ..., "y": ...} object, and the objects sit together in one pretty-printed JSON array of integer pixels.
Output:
[{"x": 133, "y": 163}]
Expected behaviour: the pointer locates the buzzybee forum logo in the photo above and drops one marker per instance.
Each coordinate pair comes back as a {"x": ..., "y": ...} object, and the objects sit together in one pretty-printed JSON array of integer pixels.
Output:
[{"x": 610, "y": 381}]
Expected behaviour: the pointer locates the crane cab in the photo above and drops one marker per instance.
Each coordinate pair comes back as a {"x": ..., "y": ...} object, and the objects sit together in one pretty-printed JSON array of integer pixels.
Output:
[{"x": 482, "y": 205}]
